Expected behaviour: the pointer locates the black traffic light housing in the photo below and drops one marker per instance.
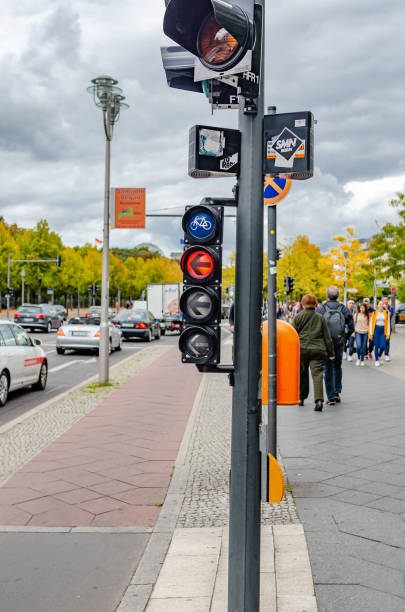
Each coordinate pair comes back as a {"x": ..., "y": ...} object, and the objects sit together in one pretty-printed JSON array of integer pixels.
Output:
[
  {"x": 58, "y": 261},
  {"x": 178, "y": 64},
  {"x": 200, "y": 303},
  {"x": 290, "y": 284},
  {"x": 193, "y": 26}
]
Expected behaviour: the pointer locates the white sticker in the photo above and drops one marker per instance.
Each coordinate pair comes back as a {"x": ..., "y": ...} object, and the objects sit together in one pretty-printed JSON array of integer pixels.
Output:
[
  {"x": 228, "y": 162},
  {"x": 212, "y": 142},
  {"x": 300, "y": 122}
]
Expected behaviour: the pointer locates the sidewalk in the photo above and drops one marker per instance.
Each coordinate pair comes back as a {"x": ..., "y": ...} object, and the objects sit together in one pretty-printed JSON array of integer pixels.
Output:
[
  {"x": 192, "y": 576},
  {"x": 346, "y": 467}
]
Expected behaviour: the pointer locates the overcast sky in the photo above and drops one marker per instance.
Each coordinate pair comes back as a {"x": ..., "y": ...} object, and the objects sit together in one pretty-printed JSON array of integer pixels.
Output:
[{"x": 342, "y": 60}]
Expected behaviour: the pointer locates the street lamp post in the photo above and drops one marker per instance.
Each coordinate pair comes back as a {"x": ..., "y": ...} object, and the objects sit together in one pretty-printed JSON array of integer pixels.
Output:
[
  {"x": 345, "y": 253},
  {"x": 107, "y": 97}
]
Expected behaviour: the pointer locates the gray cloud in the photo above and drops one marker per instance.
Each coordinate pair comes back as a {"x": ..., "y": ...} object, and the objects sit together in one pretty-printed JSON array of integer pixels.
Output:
[{"x": 341, "y": 60}]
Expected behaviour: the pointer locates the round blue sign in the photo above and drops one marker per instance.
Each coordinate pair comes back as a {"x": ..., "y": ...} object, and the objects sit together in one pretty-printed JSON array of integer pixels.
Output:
[{"x": 201, "y": 225}]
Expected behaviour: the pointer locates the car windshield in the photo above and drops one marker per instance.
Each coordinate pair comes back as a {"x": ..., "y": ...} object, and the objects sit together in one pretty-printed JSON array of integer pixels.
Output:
[
  {"x": 132, "y": 315},
  {"x": 84, "y": 321},
  {"x": 29, "y": 309}
]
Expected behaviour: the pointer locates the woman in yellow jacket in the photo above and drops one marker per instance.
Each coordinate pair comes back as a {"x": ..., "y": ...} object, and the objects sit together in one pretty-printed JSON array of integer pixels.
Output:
[{"x": 379, "y": 330}]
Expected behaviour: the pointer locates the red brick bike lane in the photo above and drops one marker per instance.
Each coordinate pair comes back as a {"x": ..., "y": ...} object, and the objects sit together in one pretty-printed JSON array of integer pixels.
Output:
[{"x": 113, "y": 467}]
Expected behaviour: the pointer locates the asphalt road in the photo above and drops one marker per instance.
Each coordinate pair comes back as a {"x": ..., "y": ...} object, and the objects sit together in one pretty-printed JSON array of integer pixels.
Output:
[{"x": 67, "y": 371}]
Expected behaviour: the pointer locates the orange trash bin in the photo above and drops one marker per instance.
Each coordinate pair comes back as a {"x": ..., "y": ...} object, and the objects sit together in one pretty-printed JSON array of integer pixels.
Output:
[{"x": 288, "y": 364}]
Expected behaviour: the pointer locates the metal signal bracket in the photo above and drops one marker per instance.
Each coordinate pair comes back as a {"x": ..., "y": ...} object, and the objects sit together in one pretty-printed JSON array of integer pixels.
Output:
[{"x": 219, "y": 369}]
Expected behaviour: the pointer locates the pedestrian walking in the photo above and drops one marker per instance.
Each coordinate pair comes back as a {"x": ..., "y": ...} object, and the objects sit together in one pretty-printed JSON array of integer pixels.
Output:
[
  {"x": 391, "y": 313},
  {"x": 370, "y": 348},
  {"x": 361, "y": 327},
  {"x": 340, "y": 323},
  {"x": 316, "y": 348},
  {"x": 379, "y": 330},
  {"x": 232, "y": 317},
  {"x": 349, "y": 348}
]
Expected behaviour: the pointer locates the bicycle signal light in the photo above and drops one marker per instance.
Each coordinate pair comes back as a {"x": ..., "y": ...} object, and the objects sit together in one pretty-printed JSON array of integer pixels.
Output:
[
  {"x": 203, "y": 224},
  {"x": 200, "y": 304}
]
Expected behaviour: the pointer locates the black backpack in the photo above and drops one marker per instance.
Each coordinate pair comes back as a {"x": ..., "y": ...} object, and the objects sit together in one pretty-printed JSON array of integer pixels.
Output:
[{"x": 335, "y": 320}]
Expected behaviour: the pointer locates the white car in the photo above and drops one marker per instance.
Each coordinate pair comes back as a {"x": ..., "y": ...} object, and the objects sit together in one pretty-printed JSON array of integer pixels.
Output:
[
  {"x": 23, "y": 362},
  {"x": 83, "y": 333}
]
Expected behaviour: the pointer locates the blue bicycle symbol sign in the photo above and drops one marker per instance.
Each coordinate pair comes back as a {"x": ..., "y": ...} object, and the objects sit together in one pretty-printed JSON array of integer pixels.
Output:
[{"x": 201, "y": 225}]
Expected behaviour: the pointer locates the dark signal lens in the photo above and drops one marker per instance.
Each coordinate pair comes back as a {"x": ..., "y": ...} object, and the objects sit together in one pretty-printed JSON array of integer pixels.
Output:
[{"x": 216, "y": 45}]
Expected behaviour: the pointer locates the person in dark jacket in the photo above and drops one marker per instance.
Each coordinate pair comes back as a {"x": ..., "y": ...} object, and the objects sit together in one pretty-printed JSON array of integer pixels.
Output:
[
  {"x": 316, "y": 348},
  {"x": 232, "y": 317},
  {"x": 341, "y": 326}
]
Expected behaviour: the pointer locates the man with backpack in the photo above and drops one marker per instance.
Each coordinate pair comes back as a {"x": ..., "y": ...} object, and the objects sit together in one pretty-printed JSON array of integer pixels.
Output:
[{"x": 340, "y": 322}]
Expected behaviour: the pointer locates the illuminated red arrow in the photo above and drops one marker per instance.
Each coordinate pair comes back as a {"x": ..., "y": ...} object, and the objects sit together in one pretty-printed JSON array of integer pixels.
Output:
[{"x": 199, "y": 264}]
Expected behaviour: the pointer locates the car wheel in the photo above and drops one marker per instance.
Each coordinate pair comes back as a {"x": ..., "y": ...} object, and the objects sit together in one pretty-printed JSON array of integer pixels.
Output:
[
  {"x": 119, "y": 347},
  {"x": 110, "y": 346},
  {"x": 49, "y": 328},
  {"x": 163, "y": 331},
  {"x": 4, "y": 384},
  {"x": 157, "y": 337},
  {"x": 149, "y": 337},
  {"x": 43, "y": 378},
  {"x": 60, "y": 351}
]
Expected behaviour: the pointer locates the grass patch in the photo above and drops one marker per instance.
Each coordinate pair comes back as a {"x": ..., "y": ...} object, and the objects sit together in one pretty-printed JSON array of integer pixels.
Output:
[{"x": 95, "y": 386}]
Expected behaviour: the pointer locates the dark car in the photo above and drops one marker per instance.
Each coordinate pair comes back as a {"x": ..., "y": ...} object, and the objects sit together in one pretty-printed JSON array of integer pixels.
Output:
[
  {"x": 61, "y": 310},
  {"x": 174, "y": 323},
  {"x": 137, "y": 324},
  {"x": 400, "y": 314},
  {"x": 42, "y": 317}
]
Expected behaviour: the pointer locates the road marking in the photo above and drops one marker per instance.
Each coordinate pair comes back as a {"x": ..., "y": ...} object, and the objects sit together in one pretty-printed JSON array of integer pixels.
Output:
[{"x": 65, "y": 365}]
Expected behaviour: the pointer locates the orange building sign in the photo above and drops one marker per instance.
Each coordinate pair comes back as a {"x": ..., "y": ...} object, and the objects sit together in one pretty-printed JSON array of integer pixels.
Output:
[{"x": 129, "y": 208}]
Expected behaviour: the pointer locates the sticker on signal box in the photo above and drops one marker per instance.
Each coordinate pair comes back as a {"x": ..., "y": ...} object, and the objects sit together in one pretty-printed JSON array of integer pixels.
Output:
[{"x": 284, "y": 148}]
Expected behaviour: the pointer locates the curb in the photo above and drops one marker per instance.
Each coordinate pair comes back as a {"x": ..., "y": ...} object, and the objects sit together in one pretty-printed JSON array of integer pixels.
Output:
[{"x": 137, "y": 595}]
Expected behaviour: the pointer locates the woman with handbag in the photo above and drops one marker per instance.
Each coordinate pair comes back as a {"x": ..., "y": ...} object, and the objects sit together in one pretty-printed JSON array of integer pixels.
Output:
[
  {"x": 380, "y": 330},
  {"x": 316, "y": 346}
]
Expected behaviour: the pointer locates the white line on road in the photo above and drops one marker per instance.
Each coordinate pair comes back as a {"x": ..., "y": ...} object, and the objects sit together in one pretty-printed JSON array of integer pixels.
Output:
[{"x": 65, "y": 365}]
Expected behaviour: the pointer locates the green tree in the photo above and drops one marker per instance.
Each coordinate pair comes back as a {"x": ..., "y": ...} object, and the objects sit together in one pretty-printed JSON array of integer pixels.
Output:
[{"x": 388, "y": 246}]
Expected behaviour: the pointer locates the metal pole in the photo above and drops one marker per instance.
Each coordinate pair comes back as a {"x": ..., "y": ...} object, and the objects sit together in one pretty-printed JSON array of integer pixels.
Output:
[
  {"x": 22, "y": 285},
  {"x": 244, "y": 520},
  {"x": 393, "y": 302},
  {"x": 119, "y": 299},
  {"x": 103, "y": 362},
  {"x": 78, "y": 301},
  {"x": 8, "y": 286},
  {"x": 272, "y": 323},
  {"x": 272, "y": 330},
  {"x": 345, "y": 281},
  {"x": 375, "y": 289}
]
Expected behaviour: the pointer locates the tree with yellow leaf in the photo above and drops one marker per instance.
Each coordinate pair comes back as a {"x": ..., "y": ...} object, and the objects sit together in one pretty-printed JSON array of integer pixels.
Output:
[{"x": 358, "y": 264}]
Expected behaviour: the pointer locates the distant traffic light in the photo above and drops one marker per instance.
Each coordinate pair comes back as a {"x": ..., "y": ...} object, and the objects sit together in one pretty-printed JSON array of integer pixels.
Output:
[
  {"x": 200, "y": 341},
  {"x": 218, "y": 33},
  {"x": 58, "y": 261},
  {"x": 10, "y": 291},
  {"x": 290, "y": 284}
]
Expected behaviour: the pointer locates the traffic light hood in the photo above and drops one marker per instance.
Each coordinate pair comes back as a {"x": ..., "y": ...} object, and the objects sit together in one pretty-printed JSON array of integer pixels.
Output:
[
  {"x": 186, "y": 20},
  {"x": 179, "y": 68}
]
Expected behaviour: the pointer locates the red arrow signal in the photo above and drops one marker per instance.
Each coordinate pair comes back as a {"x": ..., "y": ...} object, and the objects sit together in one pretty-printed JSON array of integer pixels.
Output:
[{"x": 198, "y": 264}]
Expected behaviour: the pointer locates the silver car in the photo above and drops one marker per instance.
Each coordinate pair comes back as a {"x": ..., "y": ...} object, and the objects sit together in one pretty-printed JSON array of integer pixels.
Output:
[{"x": 83, "y": 333}]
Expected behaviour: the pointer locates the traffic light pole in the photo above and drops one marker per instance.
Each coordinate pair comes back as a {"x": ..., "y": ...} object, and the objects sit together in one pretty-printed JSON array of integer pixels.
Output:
[{"x": 244, "y": 527}]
